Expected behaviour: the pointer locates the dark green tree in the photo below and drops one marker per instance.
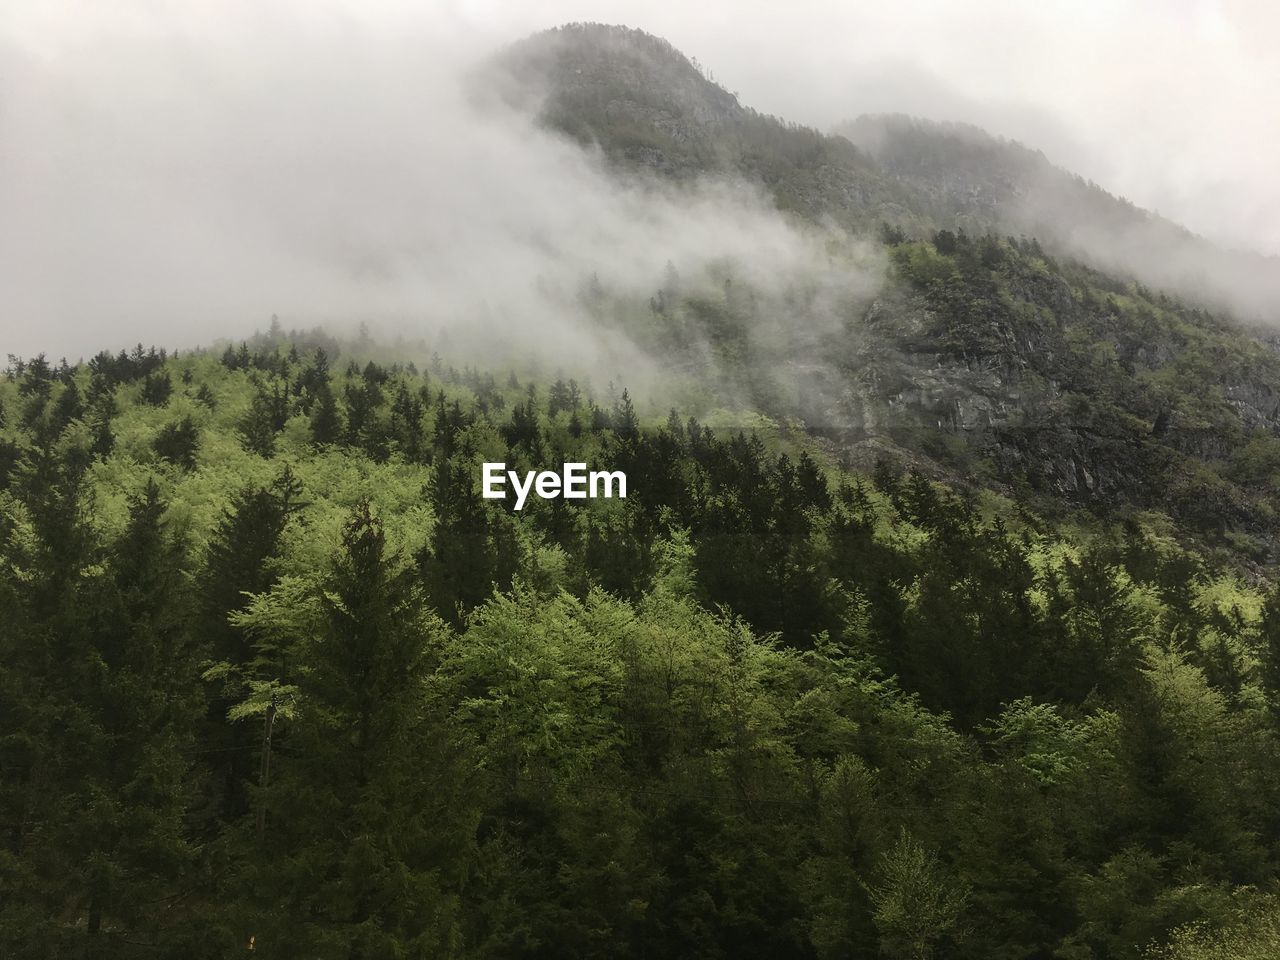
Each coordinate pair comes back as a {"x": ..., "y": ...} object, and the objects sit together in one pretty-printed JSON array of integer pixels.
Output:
[
  {"x": 178, "y": 443},
  {"x": 363, "y": 833}
]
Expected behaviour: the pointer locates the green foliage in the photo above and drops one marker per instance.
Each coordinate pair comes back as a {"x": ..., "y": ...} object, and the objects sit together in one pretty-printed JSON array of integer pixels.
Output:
[
  {"x": 914, "y": 905},
  {"x": 178, "y": 443},
  {"x": 1252, "y": 934},
  {"x": 272, "y": 672},
  {"x": 322, "y": 694}
]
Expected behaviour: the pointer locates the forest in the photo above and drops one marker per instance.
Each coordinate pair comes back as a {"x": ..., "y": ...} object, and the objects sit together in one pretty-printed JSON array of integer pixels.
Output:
[
  {"x": 940, "y": 619},
  {"x": 276, "y": 678}
]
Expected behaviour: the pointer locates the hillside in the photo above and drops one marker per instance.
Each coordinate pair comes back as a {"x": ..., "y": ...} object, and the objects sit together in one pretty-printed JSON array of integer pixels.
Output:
[
  {"x": 755, "y": 708},
  {"x": 648, "y": 106},
  {"x": 940, "y": 618},
  {"x": 984, "y": 355},
  {"x": 963, "y": 178}
]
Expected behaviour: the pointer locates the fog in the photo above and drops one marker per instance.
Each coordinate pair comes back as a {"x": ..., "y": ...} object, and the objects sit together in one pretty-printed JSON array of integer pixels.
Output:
[
  {"x": 175, "y": 174},
  {"x": 186, "y": 180},
  {"x": 174, "y": 181},
  {"x": 1170, "y": 103}
]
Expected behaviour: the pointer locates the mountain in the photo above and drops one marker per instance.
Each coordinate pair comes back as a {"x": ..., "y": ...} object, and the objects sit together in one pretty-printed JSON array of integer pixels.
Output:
[
  {"x": 939, "y": 619},
  {"x": 1020, "y": 337},
  {"x": 649, "y": 106},
  {"x": 963, "y": 178}
]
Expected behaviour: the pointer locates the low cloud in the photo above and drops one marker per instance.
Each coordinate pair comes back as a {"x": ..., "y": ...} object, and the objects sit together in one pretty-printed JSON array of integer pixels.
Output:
[
  {"x": 177, "y": 176},
  {"x": 179, "y": 181}
]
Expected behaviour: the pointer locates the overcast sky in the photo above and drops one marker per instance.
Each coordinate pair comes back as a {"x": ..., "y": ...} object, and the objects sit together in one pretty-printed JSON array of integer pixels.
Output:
[{"x": 124, "y": 125}]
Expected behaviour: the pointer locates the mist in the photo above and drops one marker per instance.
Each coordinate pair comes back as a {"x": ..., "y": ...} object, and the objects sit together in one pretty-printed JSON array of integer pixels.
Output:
[
  {"x": 177, "y": 181},
  {"x": 1169, "y": 103},
  {"x": 177, "y": 175}
]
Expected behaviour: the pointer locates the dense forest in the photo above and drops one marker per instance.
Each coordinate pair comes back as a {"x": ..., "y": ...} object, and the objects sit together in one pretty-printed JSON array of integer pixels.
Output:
[
  {"x": 276, "y": 676},
  {"x": 940, "y": 619},
  {"x": 986, "y": 352}
]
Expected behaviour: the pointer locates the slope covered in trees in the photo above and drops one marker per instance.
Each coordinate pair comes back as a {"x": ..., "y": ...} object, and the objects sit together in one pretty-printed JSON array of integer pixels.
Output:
[
  {"x": 986, "y": 351},
  {"x": 940, "y": 619},
  {"x": 274, "y": 669}
]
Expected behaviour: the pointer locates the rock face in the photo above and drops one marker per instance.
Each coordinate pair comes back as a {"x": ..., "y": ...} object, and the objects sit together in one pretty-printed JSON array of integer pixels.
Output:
[{"x": 1016, "y": 361}]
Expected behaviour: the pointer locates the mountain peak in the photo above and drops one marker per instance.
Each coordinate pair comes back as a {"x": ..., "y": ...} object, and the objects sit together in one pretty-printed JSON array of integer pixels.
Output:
[
  {"x": 648, "y": 106},
  {"x": 631, "y": 92}
]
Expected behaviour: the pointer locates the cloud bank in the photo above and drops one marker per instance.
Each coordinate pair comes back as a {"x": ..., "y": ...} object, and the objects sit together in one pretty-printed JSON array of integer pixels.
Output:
[
  {"x": 178, "y": 173},
  {"x": 176, "y": 180}
]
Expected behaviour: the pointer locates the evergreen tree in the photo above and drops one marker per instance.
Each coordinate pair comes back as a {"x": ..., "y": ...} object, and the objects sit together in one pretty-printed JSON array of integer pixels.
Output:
[
  {"x": 156, "y": 389},
  {"x": 472, "y": 549},
  {"x": 238, "y": 564},
  {"x": 326, "y": 423},
  {"x": 104, "y": 832},
  {"x": 178, "y": 443},
  {"x": 360, "y": 845}
]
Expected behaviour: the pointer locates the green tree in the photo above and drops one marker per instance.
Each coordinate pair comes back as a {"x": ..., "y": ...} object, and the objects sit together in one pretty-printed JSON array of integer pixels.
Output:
[
  {"x": 472, "y": 549},
  {"x": 916, "y": 904},
  {"x": 178, "y": 443},
  {"x": 363, "y": 833},
  {"x": 326, "y": 422}
]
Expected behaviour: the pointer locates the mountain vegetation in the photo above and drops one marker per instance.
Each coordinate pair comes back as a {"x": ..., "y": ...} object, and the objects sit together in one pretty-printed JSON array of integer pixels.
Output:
[
  {"x": 984, "y": 353},
  {"x": 937, "y": 623},
  {"x": 648, "y": 107},
  {"x": 273, "y": 669}
]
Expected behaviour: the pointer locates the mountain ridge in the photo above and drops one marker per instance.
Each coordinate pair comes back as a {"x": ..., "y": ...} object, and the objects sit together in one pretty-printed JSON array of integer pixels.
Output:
[
  {"x": 990, "y": 354},
  {"x": 647, "y": 104}
]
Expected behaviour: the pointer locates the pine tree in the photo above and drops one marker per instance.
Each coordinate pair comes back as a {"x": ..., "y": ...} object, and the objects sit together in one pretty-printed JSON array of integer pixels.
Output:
[
  {"x": 265, "y": 418},
  {"x": 103, "y": 832},
  {"x": 156, "y": 389},
  {"x": 472, "y": 548},
  {"x": 238, "y": 563},
  {"x": 363, "y": 831},
  {"x": 178, "y": 443},
  {"x": 68, "y": 406},
  {"x": 326, "y": 424},
  {"x": 48, "y": 593},
  {"x": 626, "y": 423},
  {"x": 148, "y": 703},
  {"x": 1269, "y": 650}
]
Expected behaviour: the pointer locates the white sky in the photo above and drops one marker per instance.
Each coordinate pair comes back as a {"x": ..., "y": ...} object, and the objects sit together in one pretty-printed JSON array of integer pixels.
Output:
[{"x": 1171, "y": 103}]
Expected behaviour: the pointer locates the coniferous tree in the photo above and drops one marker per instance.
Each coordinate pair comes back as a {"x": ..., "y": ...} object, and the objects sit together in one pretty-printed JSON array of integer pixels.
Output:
[
  {"x": 178, "y": 443},
  {"x": 360, "y": 845},
  {"x": 472, "y": 549},
  {"x": 48, "y": 585},
  {"x": 326, "y": 422},
  {"x": 265, "y": 418},
  {"x": 68, "y": 406},
  {"x": 156, "y": 389},
  {"x": 1269, "y": 649},
  {"x": 238, "y": 564},
  {"x": 147, "y": 704}
]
